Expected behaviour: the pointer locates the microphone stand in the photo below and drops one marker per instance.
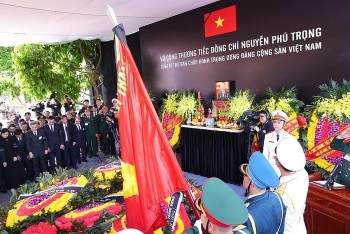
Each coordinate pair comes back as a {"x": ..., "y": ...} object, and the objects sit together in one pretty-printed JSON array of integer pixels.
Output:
[{"x": 330, "y": 182}]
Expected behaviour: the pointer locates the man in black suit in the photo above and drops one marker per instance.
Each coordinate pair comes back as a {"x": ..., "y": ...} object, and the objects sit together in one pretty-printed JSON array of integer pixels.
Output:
[
  {"x": 98, "y": 104},
  {"x": 24, "y": 127},
  {"x": 79, "y": 142},
  {"x": 37, "y": 147},
  {"x": 3, "y": 164},
  {"x": 27, "y": 119},
  {"x": 23, "y": 154},
  {"x": 55, "y": 142},
  {"x": 11, "y": 129},
  {"x": 66, "y": 129}
]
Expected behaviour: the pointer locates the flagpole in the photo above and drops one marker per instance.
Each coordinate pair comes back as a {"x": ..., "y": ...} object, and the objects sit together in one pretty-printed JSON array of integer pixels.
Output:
[{"x": 188, "y": 193}]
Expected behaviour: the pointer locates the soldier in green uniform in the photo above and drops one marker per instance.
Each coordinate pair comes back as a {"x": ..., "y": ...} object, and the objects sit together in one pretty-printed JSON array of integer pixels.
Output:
[
  {"x": 339, "y": 144},
  {"x": 222, "y": 211},
  {"x": 90, "y": 125},
  {"x": 102, "y": 129}
]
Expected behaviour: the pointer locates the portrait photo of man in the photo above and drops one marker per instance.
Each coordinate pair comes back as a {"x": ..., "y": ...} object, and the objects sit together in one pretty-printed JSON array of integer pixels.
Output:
[{"x": 222, "y": 90}]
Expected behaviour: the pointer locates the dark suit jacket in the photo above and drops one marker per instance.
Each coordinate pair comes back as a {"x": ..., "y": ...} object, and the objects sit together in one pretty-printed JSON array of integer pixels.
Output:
[
  {"x": 36, "y": 144},
  {"x": 79, "y": 135},
  {"x": 70, "y": 133},
  {"x": 2, "y": 157},
  {"x": 55, "y": 138},
  {"x": 22, "y": 150}
]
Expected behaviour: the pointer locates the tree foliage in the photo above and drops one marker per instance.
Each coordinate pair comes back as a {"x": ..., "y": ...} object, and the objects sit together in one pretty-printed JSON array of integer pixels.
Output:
[
  {"x": 5, "y": 59},
  {"x": 38, "y": 70},
  {"x": 7, "y": 82}
]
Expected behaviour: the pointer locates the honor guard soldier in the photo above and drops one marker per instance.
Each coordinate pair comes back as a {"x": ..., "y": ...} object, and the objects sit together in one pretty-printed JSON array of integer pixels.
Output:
[
  {"x": 266, "y": 209},
  {"x": 294, "y": 183},
  {"x": 222, "y": 211},
  {"x": 90, "y": 126},
  {"x": 279, "y": 119}
]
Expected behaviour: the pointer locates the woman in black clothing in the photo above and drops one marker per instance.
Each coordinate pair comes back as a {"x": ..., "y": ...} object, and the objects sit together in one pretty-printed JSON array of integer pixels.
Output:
[{"x": 14, "y": 169}]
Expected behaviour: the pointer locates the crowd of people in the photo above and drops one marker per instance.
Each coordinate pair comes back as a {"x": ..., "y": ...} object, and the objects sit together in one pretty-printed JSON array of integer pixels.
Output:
[{"x": 32, "y": 145}]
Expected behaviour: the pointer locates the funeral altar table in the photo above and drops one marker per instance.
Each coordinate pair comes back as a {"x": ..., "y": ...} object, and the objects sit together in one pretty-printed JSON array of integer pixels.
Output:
[{"x": 213, "y": 152}]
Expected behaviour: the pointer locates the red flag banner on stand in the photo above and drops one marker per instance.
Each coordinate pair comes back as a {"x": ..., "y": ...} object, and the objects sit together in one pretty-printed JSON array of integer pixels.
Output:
[
  {"x": 150, "y": 170},
  {"x": 220, "y": 21}
]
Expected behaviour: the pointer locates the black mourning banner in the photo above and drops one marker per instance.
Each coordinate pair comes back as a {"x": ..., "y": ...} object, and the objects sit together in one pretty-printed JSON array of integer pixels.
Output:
[
  {"x": 173, "y": 209},
  {"x": 62, "y": 189}
]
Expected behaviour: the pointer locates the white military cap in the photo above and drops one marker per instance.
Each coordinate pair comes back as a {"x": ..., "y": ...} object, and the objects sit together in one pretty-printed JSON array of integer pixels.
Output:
[
  {"x": 279, "y": 115},
  {"x": 290, "y": 154}
]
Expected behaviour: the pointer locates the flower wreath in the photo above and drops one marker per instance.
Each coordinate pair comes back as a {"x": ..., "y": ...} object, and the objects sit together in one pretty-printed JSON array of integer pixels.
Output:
[
  {"x": 320, "y": 129},
  {"x": 87, "y": 214},
  {"x": 42, "y": 227},
  {"x": 107, "y": 172},
  {"x": 43, "y": 202},
  {"x": 331, "y": 113}
]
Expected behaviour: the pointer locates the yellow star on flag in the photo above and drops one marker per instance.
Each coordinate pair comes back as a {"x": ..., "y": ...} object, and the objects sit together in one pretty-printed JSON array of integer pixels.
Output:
[{"x": 219, "y": 22}]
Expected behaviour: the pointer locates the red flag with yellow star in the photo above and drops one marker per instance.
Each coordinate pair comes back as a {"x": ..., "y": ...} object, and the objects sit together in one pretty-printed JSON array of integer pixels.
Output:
[
  {"x": 150, "y": 170},
  {"x": 220, "y": 21}
]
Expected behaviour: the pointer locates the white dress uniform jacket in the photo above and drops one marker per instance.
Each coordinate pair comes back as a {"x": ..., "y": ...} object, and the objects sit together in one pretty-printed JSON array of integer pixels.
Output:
[
  {"x": 270, "y": 144},
  {"x": 293, "y": 189}
]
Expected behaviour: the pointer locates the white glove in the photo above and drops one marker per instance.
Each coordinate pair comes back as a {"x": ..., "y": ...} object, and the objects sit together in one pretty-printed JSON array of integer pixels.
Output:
[{"x": 198, "y": 224}]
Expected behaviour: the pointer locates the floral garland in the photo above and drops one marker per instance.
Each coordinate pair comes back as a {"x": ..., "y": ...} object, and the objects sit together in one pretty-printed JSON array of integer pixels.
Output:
[
  {"x": 43, "y": 203},
  {"x": 172, "y": 125},
  {"x": 107, "y": 172},
  {"x": 87, "y": 214},
  {"x": 331, "y": 113},
  {"x": 319, "y": 129},
  {"x": 42, "y": 227}
]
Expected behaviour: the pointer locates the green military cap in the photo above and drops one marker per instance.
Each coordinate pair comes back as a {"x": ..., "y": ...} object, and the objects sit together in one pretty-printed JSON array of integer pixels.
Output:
[
  {"x": 221, "y": 204},
  {"x": 40, "y": 117}
]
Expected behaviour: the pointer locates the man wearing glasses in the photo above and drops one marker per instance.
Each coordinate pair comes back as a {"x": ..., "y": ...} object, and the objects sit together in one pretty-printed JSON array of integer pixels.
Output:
[
  {"x": 263, "y": 127},
  {"x": 222, "y": 211}
]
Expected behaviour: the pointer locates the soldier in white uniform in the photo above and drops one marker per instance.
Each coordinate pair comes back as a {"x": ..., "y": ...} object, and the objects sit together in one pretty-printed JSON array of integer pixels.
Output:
[
  {"x": 279, "y": 119},
  {"x": 294, "y": 183}
]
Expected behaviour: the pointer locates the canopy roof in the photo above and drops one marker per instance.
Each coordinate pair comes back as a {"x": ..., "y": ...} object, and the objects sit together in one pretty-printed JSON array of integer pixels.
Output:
[{"x": 49, "y": 21}]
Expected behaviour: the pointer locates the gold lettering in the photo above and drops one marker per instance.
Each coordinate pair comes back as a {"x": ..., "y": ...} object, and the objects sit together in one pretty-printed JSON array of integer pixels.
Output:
[{"x": 121, "y": 84}]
